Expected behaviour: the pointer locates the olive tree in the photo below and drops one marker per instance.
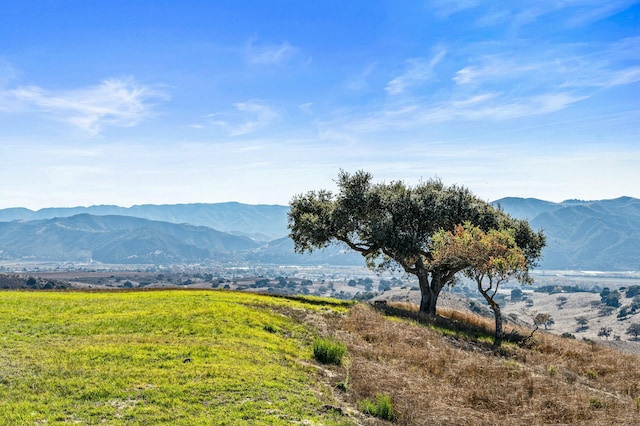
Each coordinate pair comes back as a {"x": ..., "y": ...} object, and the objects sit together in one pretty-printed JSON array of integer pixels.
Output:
[
  {"x": 392, "y": 225},
  {"x": 634, "y": 329},
  {"x": 489, "y": 258}
]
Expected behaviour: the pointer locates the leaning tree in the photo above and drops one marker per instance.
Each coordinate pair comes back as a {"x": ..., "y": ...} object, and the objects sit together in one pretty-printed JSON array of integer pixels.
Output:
[
  {"x": 392, "y": 225},
  {"x": 489, "y": 259}
]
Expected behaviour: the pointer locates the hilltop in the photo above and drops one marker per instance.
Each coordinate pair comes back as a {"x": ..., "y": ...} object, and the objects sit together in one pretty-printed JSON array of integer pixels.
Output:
[{"x": 193, "y": 357}]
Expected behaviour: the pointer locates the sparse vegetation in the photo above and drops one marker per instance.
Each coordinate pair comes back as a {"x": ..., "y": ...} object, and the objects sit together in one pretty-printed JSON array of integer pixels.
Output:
[
  {"x": 562, "y": 300},
  {"x": 459, "y": 380},
  {"x": 582, "y": 322},
  {"x": 544, "y": 319},
  {"x": 381, "y": 408},
  {"x": 605, "y": 332},
  {"x": 634, "y": 330}
]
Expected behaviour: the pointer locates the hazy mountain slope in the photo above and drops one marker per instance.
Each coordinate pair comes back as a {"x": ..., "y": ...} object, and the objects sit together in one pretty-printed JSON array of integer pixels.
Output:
[
  {"x": 587, "y": 235},
  {"x": 114, "y": 239},
  {"x": 270, "y": 221},
  {"x": 526, "y": 208},
  {"x": 590, "y": 235}
]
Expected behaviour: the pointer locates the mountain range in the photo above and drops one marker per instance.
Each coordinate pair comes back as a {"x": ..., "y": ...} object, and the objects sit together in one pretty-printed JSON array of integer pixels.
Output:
[
  {"x": 260, "y": 222},
  {"x": 584, "y": 235},
  {"x": 581, "y": 235}
]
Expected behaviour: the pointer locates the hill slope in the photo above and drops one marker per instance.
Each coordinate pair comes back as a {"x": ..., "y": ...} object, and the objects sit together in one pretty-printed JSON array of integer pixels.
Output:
[
  {"x": 169, "y": 357},
  {"x": 263, "y": 221},
  {"x": 584, "y": 235},
  {"x": 115, "y": 239},
  {"x": 203, "y": 357}
]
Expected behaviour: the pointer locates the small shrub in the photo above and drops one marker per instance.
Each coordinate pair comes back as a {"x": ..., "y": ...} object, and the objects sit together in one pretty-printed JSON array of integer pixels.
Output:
[
  {"x": 568, "y": 335},
  {"x": 382, "y": 408},
  {"x": 344, "y": 385},
  {"x": 552, "y": 370},
  {"x": 328, "y": 351},
  {"x": 597, "y": 404},
  {"x": 270, "y": 328},
  {"x": 592, "y": 374}
]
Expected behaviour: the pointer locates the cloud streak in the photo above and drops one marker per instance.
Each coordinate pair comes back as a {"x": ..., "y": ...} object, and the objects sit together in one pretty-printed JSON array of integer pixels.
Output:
[
  {"x": 112, "y": 103},
  {"x": 418, "y": 70},
  {"x": 481, "y": 107},
  {"x": 247, "y": 117},
  {"x": 570, "y": 13},
  {"x": 270, "y": 54}
]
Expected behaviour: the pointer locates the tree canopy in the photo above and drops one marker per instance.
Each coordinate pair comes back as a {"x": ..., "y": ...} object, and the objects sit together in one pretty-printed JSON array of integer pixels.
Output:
[
  {"x": 392, "y": 225},
  {"x": 488, "y": 258}
]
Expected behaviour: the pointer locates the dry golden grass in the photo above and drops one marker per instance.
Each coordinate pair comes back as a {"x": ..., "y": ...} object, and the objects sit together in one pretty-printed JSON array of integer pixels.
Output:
[{"x": 435, "y": 377}]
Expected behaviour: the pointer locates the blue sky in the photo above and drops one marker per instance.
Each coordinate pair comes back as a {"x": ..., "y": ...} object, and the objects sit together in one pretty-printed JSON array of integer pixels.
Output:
[{"x": 164, "y": 102}]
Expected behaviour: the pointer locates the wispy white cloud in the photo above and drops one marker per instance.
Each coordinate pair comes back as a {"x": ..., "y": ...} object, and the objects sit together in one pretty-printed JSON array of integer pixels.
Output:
[
  {"x": 269, "y": 54},
  {"x": 481, "y": 107},
  {"x": 418, "y": 70},
  {"x": 601, "y": 66},
  {"x": 588, "y": 11},
  {"x": 114, "y": 102},
  {"x": 569, "y": 13},
  {"x": 361, "y": 81},
  {"x": 247, "y": 117},
  {"x": 306, "y": 108},
  {"x": 491, "y": 68},
  {"x": 446, "y": 8}
]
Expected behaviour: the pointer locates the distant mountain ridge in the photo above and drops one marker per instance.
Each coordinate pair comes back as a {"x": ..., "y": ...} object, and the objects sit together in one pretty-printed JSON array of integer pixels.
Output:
[
  {"x": 581, "y": 235},
  {"x": 584, "y": 235},
  {"x": 263, "y": 222},
  {"x": 115, "y": 239}
]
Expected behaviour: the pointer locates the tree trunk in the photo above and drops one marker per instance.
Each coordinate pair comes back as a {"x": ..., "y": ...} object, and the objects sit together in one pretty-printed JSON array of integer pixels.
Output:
[
  {"x": 428, "y": 297},
  {"x": 499, "y": 334}
]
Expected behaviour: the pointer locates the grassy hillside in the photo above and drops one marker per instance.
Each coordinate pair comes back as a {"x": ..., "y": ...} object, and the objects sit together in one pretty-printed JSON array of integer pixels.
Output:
[
  {"x": 163, "y": 357},
  {"x": 210, "y": 357}
]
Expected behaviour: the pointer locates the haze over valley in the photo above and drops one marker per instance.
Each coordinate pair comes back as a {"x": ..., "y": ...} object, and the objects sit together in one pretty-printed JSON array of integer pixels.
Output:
[{"x": 581, "y": 235}]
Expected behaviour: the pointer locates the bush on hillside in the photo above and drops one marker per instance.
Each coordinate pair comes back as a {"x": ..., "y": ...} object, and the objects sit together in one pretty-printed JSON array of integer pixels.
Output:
[
  {"x": 328, "y": 351},
  {"x": 382, "y": 408}
]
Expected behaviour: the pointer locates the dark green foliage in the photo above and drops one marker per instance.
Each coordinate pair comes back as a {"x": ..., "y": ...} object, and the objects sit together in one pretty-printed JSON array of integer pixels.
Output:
[
  {"x": 605, "y": 332},
  {"x": 634, "y": 330},
  {"x": 516, "y": 294},
  {"x": 606, "y": 310},
  {"x": 633, "y": 291},
  {"x": 328, "y": 351},
  {"x": 582, "y": 323},
  {"x": 270, "y": 328},
  {"x": 366, "y": 295},
  {"x": 382, "y": 408},
  {"x": 391, "y": 225},
  {"x": 553, "y": 289},
  {"x": 624, "y": 312},
  {"x": 610, "y": 298}
]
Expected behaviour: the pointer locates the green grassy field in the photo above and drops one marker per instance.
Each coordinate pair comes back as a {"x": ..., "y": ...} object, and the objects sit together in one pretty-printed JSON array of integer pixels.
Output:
[{"x": 157, "y": 357}]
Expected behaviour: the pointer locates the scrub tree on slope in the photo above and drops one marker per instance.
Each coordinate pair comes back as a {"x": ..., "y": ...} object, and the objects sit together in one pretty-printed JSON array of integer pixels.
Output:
[{"x": 392, "y": 225}]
